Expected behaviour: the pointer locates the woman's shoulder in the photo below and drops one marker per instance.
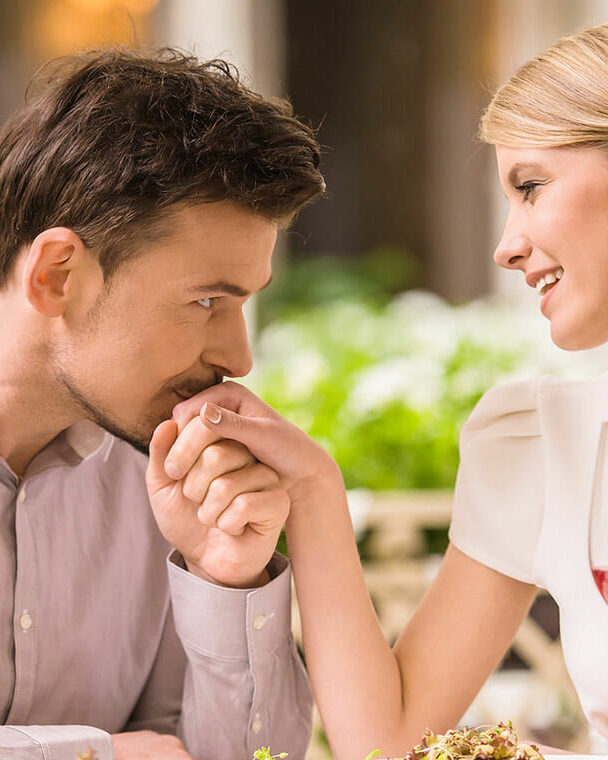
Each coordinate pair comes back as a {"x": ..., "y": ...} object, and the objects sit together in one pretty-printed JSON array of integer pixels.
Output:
[
  {"x": 507, "y": 409},
  {"x": 512, "y": 408},
  {"x": 499, "y": 493}
]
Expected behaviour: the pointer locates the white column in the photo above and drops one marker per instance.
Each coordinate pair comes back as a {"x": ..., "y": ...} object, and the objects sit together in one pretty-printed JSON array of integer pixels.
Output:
[{"x": 247, "y": 33}]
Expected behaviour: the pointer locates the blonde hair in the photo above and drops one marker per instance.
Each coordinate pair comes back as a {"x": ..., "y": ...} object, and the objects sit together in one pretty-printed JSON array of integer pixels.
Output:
[{"x": 558, "y": 99}]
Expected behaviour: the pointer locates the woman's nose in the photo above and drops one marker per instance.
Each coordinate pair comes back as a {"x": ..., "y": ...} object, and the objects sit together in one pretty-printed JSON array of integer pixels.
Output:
[{"x": 513, "y": 250}]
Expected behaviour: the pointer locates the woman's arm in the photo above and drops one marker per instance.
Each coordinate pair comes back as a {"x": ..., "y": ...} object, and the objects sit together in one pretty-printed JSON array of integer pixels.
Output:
[{"x": 369, "y": 695}]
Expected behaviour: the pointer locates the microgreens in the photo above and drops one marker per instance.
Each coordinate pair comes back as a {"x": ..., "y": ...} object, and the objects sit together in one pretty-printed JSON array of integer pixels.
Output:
[
  {"x": 264, "y": 754},
  {"x": 492, "y": 743}
]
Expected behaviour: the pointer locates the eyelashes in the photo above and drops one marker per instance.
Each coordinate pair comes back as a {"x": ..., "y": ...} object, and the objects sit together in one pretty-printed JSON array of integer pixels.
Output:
[{"x": 528, "y": 189}]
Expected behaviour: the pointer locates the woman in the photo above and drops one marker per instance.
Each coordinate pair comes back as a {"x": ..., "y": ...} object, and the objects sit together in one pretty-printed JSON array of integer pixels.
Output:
[{"x": 528, "y": 454}]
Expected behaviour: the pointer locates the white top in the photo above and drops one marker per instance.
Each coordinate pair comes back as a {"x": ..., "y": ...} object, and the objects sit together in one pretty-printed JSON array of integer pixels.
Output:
[{"x": 523, "y": 494}]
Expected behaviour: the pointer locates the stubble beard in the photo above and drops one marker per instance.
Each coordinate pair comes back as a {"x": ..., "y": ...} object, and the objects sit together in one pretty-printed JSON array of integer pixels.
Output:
[{"x": 92, "y": 411}]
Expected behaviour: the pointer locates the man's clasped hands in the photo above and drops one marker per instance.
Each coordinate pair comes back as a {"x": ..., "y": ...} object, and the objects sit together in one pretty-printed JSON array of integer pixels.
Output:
[{"x": 222, "y": 477}]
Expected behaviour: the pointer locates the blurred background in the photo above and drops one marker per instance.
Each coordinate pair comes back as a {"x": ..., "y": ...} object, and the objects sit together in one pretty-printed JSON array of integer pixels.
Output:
[{"x": 387, "y": 318}]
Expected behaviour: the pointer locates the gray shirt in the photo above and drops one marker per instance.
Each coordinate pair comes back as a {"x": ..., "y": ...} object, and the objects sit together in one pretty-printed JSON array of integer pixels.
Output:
[{"x": 101, "y": 632}]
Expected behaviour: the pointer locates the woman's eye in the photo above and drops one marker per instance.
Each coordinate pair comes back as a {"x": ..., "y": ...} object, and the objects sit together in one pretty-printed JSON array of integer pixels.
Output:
[
  {"x": 528, "y": 189},
  {"x": 207, "y": 303}
]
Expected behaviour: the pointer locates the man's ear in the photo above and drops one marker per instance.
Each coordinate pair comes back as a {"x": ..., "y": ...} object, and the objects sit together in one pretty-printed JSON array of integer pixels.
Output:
[{"x": 50, "y": 261}]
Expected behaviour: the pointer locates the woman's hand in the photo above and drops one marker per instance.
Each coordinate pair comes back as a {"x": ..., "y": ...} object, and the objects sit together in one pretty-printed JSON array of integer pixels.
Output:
[{"x": 230, "y": 411}]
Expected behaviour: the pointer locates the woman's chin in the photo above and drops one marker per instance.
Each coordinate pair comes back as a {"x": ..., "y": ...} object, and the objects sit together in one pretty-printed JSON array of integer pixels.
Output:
[{"x": 570, "y": 337}]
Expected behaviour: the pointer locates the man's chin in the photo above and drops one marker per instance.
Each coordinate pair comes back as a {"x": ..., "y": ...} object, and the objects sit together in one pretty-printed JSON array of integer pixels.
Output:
[
  {"x": 139, "y": 433},
  {"x": 139, "y": 442}
]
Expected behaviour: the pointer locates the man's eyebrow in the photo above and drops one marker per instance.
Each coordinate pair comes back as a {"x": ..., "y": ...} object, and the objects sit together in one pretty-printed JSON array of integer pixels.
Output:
[
  {"x": 225, "y": 287},
  {"x": 517, "y": 168}
]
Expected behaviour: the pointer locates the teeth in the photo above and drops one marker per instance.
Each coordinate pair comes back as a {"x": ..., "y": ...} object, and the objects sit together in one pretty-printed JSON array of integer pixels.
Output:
[{"x": 549, "y": 279}]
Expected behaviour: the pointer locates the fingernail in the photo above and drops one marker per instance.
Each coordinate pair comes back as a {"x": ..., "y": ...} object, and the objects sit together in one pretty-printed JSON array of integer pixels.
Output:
[
  {"x": 212, "y": 413},
  {"x": 172, "y": 471}
]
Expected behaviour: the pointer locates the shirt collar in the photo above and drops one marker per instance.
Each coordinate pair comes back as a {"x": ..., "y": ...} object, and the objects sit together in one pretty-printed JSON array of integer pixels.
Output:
[
  {"x": 87, "y": 439},
  {"x": 80, "y": 442}
]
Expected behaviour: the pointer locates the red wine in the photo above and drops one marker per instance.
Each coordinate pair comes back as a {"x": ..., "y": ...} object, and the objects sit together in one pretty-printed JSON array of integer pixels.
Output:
[{"x": 601, "y": 581}]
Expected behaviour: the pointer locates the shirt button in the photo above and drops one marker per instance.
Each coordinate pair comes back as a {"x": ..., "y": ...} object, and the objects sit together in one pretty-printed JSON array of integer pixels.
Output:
[
  {"x": 25, "y": 620},
  {"x": 21, "y": 496},
  {"x": 257, "y": 726},
  {"x": 259, "y": 622}
]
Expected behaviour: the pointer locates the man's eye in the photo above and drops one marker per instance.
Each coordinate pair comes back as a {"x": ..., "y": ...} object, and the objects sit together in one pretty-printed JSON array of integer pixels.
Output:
[
  {"x": 528, "y": 189},
  {"x": 207, "y": 303}
]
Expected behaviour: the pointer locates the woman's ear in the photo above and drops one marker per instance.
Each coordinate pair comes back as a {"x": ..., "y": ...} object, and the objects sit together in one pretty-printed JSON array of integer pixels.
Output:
[{"x": 49, "y": 263}]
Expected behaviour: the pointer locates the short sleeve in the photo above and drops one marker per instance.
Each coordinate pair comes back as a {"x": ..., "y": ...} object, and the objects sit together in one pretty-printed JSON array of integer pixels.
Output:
[{"x": 499, "y": 494}]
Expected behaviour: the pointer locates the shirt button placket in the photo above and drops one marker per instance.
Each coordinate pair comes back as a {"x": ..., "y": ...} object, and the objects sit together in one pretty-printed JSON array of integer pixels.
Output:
[{"x": 24, "y": 628}]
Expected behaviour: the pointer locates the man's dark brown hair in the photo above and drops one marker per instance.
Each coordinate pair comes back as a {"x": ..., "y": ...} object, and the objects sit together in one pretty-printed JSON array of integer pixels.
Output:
[{"x": 114, "y": 138}]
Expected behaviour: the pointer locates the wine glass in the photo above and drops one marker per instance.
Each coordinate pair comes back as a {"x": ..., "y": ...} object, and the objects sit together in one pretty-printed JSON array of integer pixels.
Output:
[{"x": 598, "y": 518}]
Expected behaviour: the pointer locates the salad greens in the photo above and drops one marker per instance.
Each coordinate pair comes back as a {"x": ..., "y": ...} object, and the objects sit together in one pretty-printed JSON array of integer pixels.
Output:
[
  {"x": 491, "y": 743},
  {"x": 497, "y": 743}
]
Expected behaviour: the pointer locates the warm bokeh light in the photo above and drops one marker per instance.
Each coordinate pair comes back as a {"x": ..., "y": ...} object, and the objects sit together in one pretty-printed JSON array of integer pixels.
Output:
[
  {"x": 59, "y": 27},
  {"x": 100, "y": 6}
]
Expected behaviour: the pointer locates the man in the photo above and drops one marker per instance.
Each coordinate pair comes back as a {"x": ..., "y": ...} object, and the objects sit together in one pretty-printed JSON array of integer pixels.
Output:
[{"x": 140, "y": 199}]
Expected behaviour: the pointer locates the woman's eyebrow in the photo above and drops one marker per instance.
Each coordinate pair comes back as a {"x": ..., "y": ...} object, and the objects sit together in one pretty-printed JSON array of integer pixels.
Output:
[
  {"x": 225, "y": 287},
  {"x": 517, "y": 168}
]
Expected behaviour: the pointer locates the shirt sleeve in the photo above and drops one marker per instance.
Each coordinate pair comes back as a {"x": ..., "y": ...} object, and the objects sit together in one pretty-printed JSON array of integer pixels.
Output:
[
  {"x": 54, "y": 743},
  {"x": 245, "y": 685},
  {"x": 499, "y": 494}
]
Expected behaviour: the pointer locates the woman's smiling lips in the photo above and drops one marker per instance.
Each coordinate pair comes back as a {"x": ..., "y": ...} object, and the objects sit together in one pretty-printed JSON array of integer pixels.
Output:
[
  {"x": 545, "y": 282},
  {"x": 551, "y": 289}
]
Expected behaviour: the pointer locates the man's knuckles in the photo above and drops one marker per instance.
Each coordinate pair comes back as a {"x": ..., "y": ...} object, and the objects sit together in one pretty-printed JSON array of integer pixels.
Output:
[
  {"x": 225, "y": 488},
  {"x": 269, "y": 508},
  {"x": 217, "y": 457},
  {"x": 221, "y": 491}
]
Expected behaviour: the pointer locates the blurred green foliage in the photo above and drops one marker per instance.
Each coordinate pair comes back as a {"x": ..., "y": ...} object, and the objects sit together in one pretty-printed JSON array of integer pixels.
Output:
[
  {"x": 384, "y": 379},
  {"x": 301, "y": 284},
  {"x": 383, "y": 387}
]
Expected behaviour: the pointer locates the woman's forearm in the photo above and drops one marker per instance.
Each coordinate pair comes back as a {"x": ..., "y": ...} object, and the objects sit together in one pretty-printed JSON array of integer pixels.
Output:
[{"x": 355, "y": 675}]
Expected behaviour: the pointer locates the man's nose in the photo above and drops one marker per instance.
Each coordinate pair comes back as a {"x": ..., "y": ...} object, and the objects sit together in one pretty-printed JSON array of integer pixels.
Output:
[
  {"x": 514, "y": 247},
  {"x": 229, "y": 350}
]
